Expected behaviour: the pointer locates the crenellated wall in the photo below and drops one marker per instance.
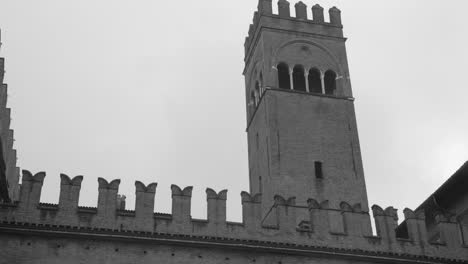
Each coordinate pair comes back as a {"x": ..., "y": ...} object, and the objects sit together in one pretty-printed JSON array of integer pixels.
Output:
[
  {"x": 317, "y": 224},
  {"x": 264, "y": 17},
  {"x": 275, "y": 228}
]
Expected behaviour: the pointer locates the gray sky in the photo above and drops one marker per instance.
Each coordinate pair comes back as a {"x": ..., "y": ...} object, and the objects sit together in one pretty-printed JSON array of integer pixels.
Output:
[{"x": 153, "y": 90}]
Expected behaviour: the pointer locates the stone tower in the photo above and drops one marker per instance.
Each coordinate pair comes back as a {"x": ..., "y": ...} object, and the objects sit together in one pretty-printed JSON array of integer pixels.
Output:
[{"x": 301, "y": 124}]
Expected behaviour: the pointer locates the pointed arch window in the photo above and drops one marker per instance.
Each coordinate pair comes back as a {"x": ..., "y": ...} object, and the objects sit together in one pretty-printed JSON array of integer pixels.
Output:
[
  {"x": 315, "y": 82},
  {"x": 299, "y": 81},
  {"x": 330, "y": 82},
  {"x": 284, "y": 81}
]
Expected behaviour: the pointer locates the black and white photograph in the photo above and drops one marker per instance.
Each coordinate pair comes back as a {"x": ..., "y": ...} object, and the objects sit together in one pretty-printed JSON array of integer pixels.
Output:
[{"x": 233, "y": 132}]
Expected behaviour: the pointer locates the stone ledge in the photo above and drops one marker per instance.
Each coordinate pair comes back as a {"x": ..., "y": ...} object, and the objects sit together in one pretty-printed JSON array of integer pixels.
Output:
[{"x": 218, "y": 242}]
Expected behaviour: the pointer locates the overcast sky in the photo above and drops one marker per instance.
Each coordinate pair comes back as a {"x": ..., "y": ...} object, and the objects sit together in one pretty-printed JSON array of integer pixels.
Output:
[{"x": 153, "y": 91}]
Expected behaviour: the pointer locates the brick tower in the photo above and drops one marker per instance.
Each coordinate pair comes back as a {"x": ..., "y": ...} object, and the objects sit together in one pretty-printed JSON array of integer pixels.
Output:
[{"x": 301, "y": 124}]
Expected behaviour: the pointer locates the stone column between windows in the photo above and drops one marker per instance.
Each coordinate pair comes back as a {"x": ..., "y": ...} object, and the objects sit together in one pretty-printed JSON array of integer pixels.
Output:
[
  {"x": 306, "y": 76},
  {"x": 261, "y": 86},
  {"x": 322, "y": 80},
  {"x": 291, "y": 81}
]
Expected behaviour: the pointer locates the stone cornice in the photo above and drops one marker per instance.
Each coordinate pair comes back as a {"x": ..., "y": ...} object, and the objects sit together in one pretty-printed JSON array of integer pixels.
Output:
[
  {"x": 210, "y": 242},
  {"x": 274, "y": 89}
]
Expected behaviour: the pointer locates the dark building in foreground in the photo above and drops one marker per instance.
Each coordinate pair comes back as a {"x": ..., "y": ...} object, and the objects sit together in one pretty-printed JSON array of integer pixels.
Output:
[
  {"x": 451, "y": 201},
  {"x": 307, "y": 201},
  {"x": 9, "y": 173}
]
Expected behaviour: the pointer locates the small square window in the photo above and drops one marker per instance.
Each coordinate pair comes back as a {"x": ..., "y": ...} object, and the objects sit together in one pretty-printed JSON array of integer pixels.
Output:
[
  {"x": 318, "y": 170},
  {"x": 260, "y": 185}
]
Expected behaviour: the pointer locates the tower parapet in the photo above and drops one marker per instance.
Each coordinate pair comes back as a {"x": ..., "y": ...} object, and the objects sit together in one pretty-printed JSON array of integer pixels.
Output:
[
  {"x": 345, "y": 228},
  {"x": 317, "y": 14},
  {"x": 264, "y": 17}
]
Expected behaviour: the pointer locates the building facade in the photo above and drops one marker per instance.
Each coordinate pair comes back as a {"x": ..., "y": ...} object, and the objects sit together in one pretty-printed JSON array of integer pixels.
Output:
[
  {"x": 307, "y": 201},
  {"x": 9, "y": 173}
]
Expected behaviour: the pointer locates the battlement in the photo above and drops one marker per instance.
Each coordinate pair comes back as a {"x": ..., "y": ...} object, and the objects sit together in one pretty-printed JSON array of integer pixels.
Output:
[
  {"x": 317, "y": 224},
  {"x": 283, "y": 20}
]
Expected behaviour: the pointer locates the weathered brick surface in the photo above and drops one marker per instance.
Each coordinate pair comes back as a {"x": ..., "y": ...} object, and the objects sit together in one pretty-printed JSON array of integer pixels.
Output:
[
  {"x": 296, "y": 129},
  {"x": 38, "y": 250},
  {"x": 83, "y": 247}
]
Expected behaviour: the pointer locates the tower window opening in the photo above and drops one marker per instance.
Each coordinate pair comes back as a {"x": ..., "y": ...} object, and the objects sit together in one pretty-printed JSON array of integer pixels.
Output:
[
  {"x": 315, "y": 82},
  {"x": 258, "y": 95},
  {"x": 318, "y": 170},
  {"x": 284, "y": 81},
  {"x": 299, "y": 81},
  {"x": 262, "y": 89},
  {"x": 253, "y": 102},
  {"x": 330, "y": 82}
]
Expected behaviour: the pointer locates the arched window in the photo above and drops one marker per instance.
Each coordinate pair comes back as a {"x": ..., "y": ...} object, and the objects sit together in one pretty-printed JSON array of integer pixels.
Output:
[
  {"x": 283, "y": 76},
  {"x": 257, "y": 93},
  {"x": 330, "y": 82},
  {"x": 315, "y": 83},
  {"x": 299, "y": 82}
]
